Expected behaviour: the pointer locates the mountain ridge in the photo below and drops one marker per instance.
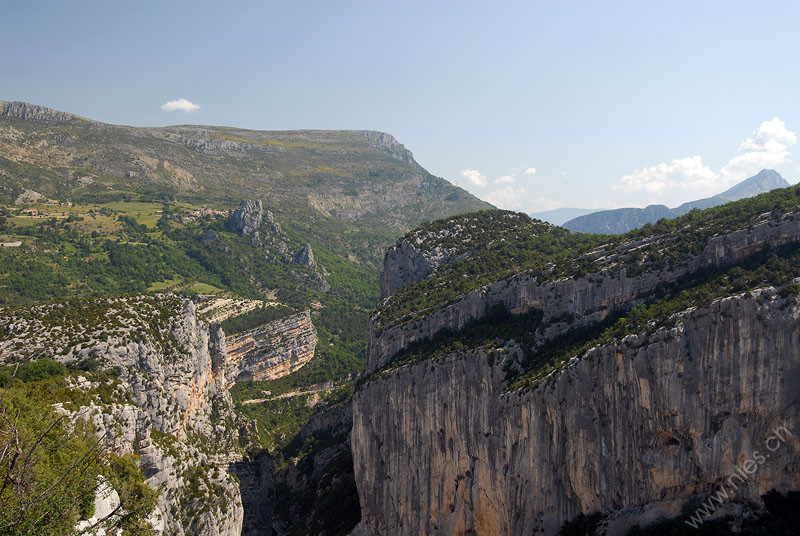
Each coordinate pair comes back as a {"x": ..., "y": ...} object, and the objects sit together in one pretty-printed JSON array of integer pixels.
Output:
[
  {"x": 559, "y": 216},
  {"x": 621, "y": 220},
  {"x": 319, "y": 179}
]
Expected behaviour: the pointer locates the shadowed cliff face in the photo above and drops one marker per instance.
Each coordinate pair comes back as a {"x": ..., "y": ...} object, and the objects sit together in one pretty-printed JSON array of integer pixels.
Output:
[
  {"x": 405, "y": 264},
  {"x": 632, "y": 428}
]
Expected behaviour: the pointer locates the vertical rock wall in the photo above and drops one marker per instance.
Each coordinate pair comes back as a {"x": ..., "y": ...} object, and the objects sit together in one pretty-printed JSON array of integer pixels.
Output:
[{"x": 440, "y": 449}]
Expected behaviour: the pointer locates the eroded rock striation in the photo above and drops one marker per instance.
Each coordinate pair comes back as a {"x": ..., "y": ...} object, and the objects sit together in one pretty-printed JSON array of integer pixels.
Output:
[
  {"x": 33, "y": 112},
  {"x": 272, "y": 350},
  {"x": 587, "y": 299},
  {"x": 405, "y": 263}
]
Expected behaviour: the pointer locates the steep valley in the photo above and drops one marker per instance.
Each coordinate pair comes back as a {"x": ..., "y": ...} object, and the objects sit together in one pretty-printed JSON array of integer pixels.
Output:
[
  {"x": 201, "y": 312},
  {"x": 175, "y": 265}
]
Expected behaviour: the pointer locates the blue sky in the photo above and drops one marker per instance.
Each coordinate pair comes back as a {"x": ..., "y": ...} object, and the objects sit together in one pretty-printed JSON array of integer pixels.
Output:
[{"x": 611, "y": 103}]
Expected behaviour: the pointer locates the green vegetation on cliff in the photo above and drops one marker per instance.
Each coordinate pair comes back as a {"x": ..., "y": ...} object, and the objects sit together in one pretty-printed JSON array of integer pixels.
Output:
[
  {"x": 779, "y": 267},
  {"x": 348, "y": 191},
  {"x": 651, "y": 248},
  {"x": 50, "y": 468},
  {"x": 510, "y": 246},
  {"x": 495, "y": 245},
  {"x": 111, "y": 210}
]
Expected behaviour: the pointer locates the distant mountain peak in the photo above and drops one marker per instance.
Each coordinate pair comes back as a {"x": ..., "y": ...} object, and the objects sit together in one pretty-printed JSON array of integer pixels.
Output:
[
  {"x": 626, "y": 219},
  {"x": 764, "y": 181}
]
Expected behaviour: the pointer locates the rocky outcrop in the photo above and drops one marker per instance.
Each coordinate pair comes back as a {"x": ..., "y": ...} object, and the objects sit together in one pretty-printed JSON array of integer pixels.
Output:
[
  {"x": 246, "y": 219},
  {"x": 439, "y": 448},
  {"x": 405, "y": 263},
  {"x": 106, "y": 502},
  {"x": 319, "y": 282},
  {"x": 173, "y": 407},
  {"x": 631, "y": 429},
  {"x": 33, "y": 112},
  {"x": 272, "y": 350},
  {"x": 306, "y": 256},
  {"x": 258, "y": 493},
  {"x": 587, "y": 299},
  {"x": 389, "y": 143}
]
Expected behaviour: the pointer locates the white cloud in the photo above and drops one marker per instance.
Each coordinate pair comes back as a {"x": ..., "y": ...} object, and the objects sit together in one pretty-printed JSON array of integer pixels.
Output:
[
  {"x": 507, "y": 197},
  {"x": 687, "y": 173},
  {"x": 766, "y": 147},
  {"x": 182, "y": 105},
  {"x": 530, "y": 171},
  {"x": 505, "y": 179},
  {"x": 474, "y": 177},
  {"x": 511, "y": 198},
  {"x": 541, "y": 204}
]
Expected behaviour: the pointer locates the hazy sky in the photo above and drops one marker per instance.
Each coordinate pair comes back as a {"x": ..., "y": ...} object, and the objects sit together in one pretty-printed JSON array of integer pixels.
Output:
[{"x": 530, "y": 105}]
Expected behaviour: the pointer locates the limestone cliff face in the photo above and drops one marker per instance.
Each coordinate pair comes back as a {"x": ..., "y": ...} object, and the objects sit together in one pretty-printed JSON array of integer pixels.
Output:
[
  {"x": 632, "y": 429},
  {"x": 246, "y": 219},
  {"x": 325, "y": 470},
  {"x": 588, "y": 299},
  {"x": 258, "y": 493},
  {"x": 272, "y": 350},
  {"x": 172, "y": 406},
  {"x": 439, "y": 448},
  {"x": 178, "y": 416}
]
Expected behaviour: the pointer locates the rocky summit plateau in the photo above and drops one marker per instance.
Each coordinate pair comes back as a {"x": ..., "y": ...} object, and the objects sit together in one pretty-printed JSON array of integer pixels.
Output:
[{"x": 220, "y": 332}]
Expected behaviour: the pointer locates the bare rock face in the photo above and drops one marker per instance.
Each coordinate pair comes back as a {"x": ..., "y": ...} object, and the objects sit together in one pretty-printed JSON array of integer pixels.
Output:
[
  {"x": 33, "y": 112},
  {"x": 171, "y": 369},
  {"x": 306, "y": 256},
  {"x": 247, "y": 218},
  {"x": 439, "y": 448},
  {"x": 419, "y": 253},
  {"x": 258, "y": 494},
  {"x": 322, "y": 473},
  {"x": 320, "y": 282},
  {"x": 405, "y": 263},
  {"x": 389, "y": 143},
  {"x": 272, "y": 350}
]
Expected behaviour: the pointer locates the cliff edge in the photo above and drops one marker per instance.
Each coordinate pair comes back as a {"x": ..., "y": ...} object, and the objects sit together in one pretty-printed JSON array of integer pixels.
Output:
[{"x": 627, "y": 380}]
